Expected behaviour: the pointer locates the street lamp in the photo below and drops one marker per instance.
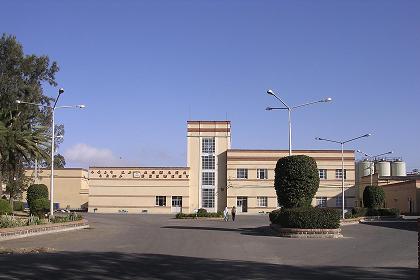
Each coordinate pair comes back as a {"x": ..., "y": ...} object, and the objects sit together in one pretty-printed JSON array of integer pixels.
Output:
[
  {"x": 53, "y": 108},
  {"x": 342, "y": 159},
  {"x": 289, "y": 111},
  {"x": 371, "y": 158}
]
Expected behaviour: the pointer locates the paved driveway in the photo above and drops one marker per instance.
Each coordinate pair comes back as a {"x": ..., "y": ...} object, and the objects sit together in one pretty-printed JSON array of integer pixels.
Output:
[{"x": 159, "y": 247}]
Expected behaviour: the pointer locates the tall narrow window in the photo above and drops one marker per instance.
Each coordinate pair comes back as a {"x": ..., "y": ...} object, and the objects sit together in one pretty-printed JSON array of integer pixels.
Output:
[
  {"x": 262, "y": 174},
  {"x": 208, "y": 145},
  {"x": 339, "y": 174},
  {"x": 207, "y": 198},
  {"x": 242, "y": 173},
  {"x": 207, "y": 178},
  {"x": 322, "y": 174},
  {"x": 208, "y": 162}
]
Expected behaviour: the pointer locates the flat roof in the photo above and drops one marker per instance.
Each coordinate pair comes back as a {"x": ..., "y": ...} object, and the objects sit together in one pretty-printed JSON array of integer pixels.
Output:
[
  {"x": 210, "y": 122},
  {"x": 286, "y": 151}
]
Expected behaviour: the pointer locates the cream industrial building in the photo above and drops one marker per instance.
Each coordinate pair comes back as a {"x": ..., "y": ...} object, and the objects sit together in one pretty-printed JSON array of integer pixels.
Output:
[{"x": 216, "y": 176}]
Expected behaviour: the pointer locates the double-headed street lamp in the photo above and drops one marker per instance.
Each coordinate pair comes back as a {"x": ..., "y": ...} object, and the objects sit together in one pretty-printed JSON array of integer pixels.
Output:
[
  {"x": 342, "y": 159},
  {"x": 53, "y": 108},
  {"x": 371, "y": 158},
  {"x": 289, "y": 110}
]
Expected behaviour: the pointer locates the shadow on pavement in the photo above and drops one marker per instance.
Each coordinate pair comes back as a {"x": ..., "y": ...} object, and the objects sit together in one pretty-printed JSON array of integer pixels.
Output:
[
  {"x": 403, "y": 225},
  {"x": 255, "y": 231},
  {"x": 112, "y": 265}
]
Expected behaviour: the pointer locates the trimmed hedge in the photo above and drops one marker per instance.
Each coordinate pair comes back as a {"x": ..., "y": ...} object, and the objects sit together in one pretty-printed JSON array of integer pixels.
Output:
[
  {"x": 5, "y": 207},
  {"x": 306, "y": 218},
  {"x": 68, "y": 218},
  {"x": 39, "y": 207},
  {"x": 373, "y": 197},
  {"x": 36, "y": 191},
  {"x": 199, "y": 214},
  {"x": 296, "y": 181},
  {"x": 364, "y": 212}
]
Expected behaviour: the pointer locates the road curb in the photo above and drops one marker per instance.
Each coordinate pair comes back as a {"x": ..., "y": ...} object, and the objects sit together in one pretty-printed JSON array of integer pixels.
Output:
[{"x": 21, "y": 232}]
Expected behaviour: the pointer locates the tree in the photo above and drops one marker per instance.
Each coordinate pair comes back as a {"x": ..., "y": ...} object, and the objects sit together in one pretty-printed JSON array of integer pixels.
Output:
[
  {"x": 22, "y": 132},
  {"x": 296, "y": 181},
  {"x": 373, "y": 197}
]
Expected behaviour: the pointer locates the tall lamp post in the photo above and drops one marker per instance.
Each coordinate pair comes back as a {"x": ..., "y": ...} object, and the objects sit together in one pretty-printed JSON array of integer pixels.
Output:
[
  {"x": 289, "y": 111},
  {"x": 371, "y": 158},
  {"x": 53, "y": 108},
  {"x": 342, "y": 160}
]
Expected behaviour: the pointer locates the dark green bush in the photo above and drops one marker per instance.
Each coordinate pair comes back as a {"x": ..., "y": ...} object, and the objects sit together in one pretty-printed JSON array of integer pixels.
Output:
[
  {"x": 39, "y": 207},
  {"x": 373, "y": 197},
  {"x": 296, "y": 181},
  {"x": 36, "y": 191},
  {"x": 306, "y": 217},
  {"x": 356, "y": 213},
  {"x": 201, "y": 211},
  {"x": 5, "y": 207},
  {"x": 389, "y": 212},
  {"x": 18, "y": 206}
]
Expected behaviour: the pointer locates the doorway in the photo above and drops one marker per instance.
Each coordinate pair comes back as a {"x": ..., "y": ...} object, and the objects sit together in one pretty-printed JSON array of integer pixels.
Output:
[
  {"x": 176, "y": 204},
  {"x": 242, "y": 204}
]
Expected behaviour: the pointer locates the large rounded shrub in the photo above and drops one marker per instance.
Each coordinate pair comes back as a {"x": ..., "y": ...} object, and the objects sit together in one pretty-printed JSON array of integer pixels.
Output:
[
  {"x": 373, "y": 197},
  {"x": 39, "y": 207},
  {"x": 306, "y": 217},
  {"x": 296, "y": 181},
  {"x": 36, "y": 191},
  {"x": 5, "y": 207}
]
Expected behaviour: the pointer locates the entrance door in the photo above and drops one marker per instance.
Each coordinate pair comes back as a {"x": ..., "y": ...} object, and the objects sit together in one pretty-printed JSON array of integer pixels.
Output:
[
  {"x": 242, "y": 204},
  {"x": 176, "y": 204}
]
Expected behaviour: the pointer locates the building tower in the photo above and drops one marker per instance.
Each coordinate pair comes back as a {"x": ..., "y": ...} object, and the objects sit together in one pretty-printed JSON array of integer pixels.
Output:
[{"x": 208, "y": 142}]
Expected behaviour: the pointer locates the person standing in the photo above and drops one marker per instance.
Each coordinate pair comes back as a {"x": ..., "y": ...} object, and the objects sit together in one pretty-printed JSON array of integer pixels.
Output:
[
  {"x": 233, "y": 213},
  {"x": 226, "y": 214}
]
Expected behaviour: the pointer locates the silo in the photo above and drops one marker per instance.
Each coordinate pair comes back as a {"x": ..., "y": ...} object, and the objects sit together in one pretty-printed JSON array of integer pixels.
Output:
[
  {"x": 364, "y": 168},
  {"x": 383, "y": 168},
  {"x": 398, "y": 168}
]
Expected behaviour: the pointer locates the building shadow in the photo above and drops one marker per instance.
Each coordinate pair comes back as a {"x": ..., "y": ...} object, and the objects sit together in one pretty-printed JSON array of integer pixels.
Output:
[
  {"x": 114, "y": 265},
  {"x": 401, "y": 225},
  {"x": 255, "y": 231}
]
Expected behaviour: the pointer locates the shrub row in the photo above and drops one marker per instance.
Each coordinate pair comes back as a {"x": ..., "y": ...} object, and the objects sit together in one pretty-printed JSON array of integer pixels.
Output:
[
  {"x": 5, "y": 207},
  {"x": 306, "y": 218},
  {"x": 193, "y": 215},
  {"x": 363, "y": 212},
  {"x": 64, "y": 219},
  {"x": 7, "y": 221}
]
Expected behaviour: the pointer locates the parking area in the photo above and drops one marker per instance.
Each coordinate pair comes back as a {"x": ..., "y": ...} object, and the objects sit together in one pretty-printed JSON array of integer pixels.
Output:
[{"x": 160, "y": 247}]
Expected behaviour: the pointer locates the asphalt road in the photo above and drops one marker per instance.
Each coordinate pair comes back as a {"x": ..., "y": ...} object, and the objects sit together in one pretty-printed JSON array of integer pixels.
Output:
[{"x": 160, "y": 247}]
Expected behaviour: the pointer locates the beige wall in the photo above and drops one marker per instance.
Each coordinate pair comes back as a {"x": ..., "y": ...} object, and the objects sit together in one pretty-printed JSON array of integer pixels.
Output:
[
  {"x": 131, "y": 189},
  {"x": 71, "y": 186},
  {"x": 267, "y": 159},
  {"x": 196, "y": 131}
]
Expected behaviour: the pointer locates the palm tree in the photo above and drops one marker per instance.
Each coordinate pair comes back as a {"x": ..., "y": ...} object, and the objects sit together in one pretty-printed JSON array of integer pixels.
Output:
[{"x": 19, "y": 145}]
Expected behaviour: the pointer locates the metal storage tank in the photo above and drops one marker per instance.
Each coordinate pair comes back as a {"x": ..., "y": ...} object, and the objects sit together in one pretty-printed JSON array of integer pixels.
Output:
[
  {"x": 398, "y": 168},
  {"x": 383, "y": 168},
  {"x": 364, "y": 168}
]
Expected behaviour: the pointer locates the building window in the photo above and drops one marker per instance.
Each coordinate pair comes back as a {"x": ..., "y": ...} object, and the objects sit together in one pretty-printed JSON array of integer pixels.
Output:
[
  {"x": 262, "y": 201},
  {"x": 207, "y": 178},
  {"x": 339, "y": 174},
  {"x": 207, "y": 198},
  {"x": 321, "y": 201},
  {"x": 208, "y": 162},
  {"x": 242, "y": 173},
  {"x": 160, "y": 200},
  {"x": 339, "y": 201},
  {"x": 207, "y": 145},
  {"x": 322, "y": 173},
  {"x": 262, "y": 173}
]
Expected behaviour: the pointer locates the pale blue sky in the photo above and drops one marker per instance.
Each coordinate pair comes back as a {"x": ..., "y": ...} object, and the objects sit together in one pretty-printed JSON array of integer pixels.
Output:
[{"x": 144, "y": 68}]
